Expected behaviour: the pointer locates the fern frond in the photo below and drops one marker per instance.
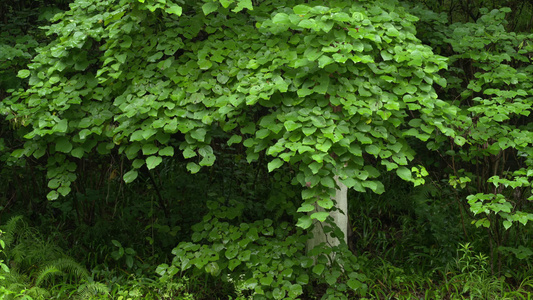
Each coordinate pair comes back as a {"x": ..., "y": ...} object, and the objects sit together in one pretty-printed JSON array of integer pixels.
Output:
[
  {"x": 46, "y": 273},
  {"x": 33, "y": 251},
  {"x": 14, "y": 277},
  {"x": 69, "y": 265},
  {"x": 62, "y": 266},
  {"x": 18, "y": 253},
  {"x": 16, "y": 287},
  {"x": 9, "y": 230},
  {"x": 37, "y": 293},
  {"x": 91, "y": 288}
]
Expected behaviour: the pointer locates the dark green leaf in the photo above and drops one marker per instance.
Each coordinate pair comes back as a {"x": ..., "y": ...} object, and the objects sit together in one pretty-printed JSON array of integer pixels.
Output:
[
  {"x": 63, "y": 145},
  {"x": 318, "y": 269}
]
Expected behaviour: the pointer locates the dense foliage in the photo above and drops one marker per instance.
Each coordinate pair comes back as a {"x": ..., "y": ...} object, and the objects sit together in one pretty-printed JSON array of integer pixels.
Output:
[{"x": 171, "y": 150}]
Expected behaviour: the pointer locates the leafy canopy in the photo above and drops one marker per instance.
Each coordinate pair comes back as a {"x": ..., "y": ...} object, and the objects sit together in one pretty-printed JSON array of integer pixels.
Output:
[{"x": 331, "y": 88}]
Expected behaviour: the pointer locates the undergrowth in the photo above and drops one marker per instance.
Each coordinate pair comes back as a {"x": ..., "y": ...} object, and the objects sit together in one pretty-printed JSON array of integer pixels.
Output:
[
  {"x": 397, "y": 254},
  {"x": 221, "y": 242}
]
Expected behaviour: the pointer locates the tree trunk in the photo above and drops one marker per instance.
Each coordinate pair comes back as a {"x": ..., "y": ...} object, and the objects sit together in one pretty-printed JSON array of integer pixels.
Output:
[{"x": 340, "y": 217}]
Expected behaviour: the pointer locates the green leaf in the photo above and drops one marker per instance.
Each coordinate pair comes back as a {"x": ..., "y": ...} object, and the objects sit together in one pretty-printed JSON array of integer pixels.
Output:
[
  {"x": 291, "y": 125},
  {"x": 77, "y": 152},
  {"x": 54, "y": 183},
  {"x": 40, "y": 152},
  {"x": 155, "y": 57},
  {"x": 52, "y": 195},
  {"x": 304, "y": 222},
  {"x": 322, "y": 88},
  {"x": 376, "y": 186},
  {"x": 354, "y": 284},
  {"x": 459, "y": 140},
  {"x": 280, "y": 84},
  {"x": 121, "y": 57},
  {"x": 129, "y": 261},
  {"x": 507, "y": 224},
  {"x": 267, "y": 280},
  {"x": 372, "y": 149},
  {"x": 235, "y": 139},
  {"x": 209, "y": 7},
  {"x": 137, "y": 163},
  {"x": 262, "y": 133},
  {"x": 199, "y": 134},
  {"x": 231, "y": 252},
  {"x": 278, "y": 293},
  {"x": 301, "y": 9},
  {"x": 328, "y": 182},
  {"x": 58, "y": 51},
  {"x": 440, "y": 81},
  {"x": 404, "y": 173},
  {"x": 320, "y": 216},
  {"x": 116, "y": 243},
  {"x": 130, "y": 176},
  {"x": 307, "y": 23},
  {"x": 149, "y": 149},
  {"x": 295, "y": 290},
  {"x": 391, "y": 31},
  {"x": 386, "y": 56},
  {"x": 233, "y": 264},
  {"x": 167, "y": 151},
  {"x": 63, "y": 145},
  {"x": 23, "y": 73},
  {"x": 242, "y": 4},
  {"x": 308, "y": 193},
  {"x": 318, "y": 269},
  {"x": 63, "y": 190},
  {"x": 280, "y": 18},
  {"x": 174, "y": 9},
  {"x": 325, "y": 203},
  {"x": 127, "y": 41},
  {"x": 315, "y": 167},
  {"x": 161, "y": 269},
  {"x": 274, "y": 164},
  {"x": 189, "y": 152},
  {"x": 306, "y": 207},
  {"x": 244, "y": 255},
  {"x": 193, "y": 167},
  {"x": 324, "y": 60},
  {"x": 153, "y": 161}
]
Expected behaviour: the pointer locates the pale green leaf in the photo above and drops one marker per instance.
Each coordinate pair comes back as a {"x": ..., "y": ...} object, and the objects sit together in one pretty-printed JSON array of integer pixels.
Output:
[
  {"x": 23, "y": 73},
  {"x": 209, "y": 7},
  {"x": 167, "y": 151},
  {"x": 304, "y": 222},
  {"x": 274, "y": 164},
  {"x": 235, "y": 139},
  {"x": 174, "y": 9},
  {"x": 130, "y": 176},
  {"x": 306, "y": 207},
  {"x": 404, "y": 173},
  {"x": 153, "y": 161},
  {"x": 193, "y": 167},
  {"x": 52, "y": 195},
  {"x": 320, "y": 216}
]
